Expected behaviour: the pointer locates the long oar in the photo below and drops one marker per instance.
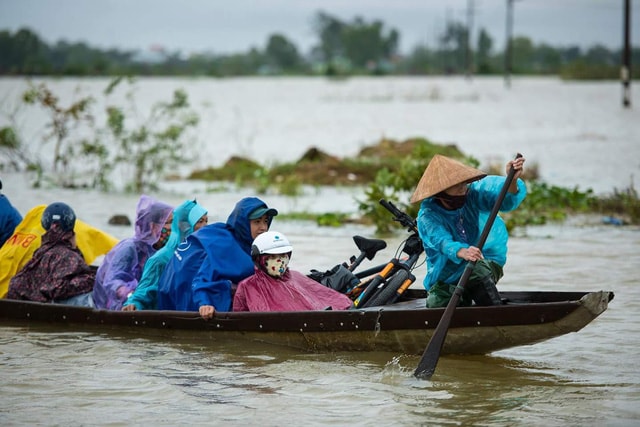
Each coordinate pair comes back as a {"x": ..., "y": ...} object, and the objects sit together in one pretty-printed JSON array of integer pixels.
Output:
[{"x": 427, "y": 365}]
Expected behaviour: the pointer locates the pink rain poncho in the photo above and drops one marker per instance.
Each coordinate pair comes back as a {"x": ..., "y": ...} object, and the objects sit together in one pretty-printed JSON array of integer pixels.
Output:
[{"x": 292, "y": 292}]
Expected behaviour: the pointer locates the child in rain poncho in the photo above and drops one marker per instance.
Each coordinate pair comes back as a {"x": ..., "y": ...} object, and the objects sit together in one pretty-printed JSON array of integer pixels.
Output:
[
  {"x": 207, "y": 265},
  {"x": 274, "y": 287}
]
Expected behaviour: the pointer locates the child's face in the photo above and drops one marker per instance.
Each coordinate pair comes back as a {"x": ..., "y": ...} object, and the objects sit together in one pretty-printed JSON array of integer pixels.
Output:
[
  {"x": 204, "y": 220},
  {"x": 276, "y": 265}
]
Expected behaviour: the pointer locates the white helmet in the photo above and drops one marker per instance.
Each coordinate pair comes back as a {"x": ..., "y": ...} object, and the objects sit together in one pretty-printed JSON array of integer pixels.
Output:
[{"x": 270, "y": 242}]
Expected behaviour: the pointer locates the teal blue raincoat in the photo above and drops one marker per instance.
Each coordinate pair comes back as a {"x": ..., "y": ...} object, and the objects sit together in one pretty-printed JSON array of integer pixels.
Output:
[{"x": 445, "y": 232}]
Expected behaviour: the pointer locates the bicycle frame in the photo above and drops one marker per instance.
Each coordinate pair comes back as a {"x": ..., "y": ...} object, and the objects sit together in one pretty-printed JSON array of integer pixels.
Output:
[
  {"x": 336, "y": 277},
  {"x": 395, "y": 277}
]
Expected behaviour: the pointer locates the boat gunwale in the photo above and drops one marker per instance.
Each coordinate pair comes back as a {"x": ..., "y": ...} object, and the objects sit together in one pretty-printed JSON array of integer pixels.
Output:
[
  {"x": 376, "y": 318},
  {"x": 474, "y": 330}
]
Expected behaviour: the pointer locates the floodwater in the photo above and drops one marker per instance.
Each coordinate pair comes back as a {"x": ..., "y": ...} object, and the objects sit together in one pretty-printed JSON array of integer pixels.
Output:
[{"x": 577, "y": 132}]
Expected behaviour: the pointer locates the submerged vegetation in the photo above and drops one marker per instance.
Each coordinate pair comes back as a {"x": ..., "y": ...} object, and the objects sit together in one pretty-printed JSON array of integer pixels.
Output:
[
  {"x": 87, "y": 153},
  {"x": 145, "y": 148},
  {"x": 390, "y": 170}
]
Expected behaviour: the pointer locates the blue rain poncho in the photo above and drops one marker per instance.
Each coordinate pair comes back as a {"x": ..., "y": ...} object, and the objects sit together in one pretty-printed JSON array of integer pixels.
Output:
[
  {"x": 122, "y": 267},
  {"x": 185, "y": 218},
  {"x": 444, "y": 232},
  {"x": 9, "y": 218},
  {"x": 205, "y": 266}
]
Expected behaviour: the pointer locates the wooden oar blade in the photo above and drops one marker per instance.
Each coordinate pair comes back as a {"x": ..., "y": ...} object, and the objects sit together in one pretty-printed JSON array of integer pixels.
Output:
[
  {"x": 429, "y": 361},
  {"x": 431, "y": 355}
]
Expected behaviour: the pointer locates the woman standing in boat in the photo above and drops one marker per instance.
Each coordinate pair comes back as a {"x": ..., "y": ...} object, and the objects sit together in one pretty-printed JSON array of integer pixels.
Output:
[
  {"x": 122, "y": 267},
  {"x": 57, "y": 271},
  {"x": 201, "y": 274},
  {"x": 456, "y": 200},
  {"x": 274, "y": 287},
  {"x": 187, "y": 218}
]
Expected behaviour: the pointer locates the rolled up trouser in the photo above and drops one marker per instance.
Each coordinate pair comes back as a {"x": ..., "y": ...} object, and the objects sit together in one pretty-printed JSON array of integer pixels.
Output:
[
  {"x": 485, "y": 274},
  {"x": 482, "y": 283},
  {"x": 485, "y": 292}
]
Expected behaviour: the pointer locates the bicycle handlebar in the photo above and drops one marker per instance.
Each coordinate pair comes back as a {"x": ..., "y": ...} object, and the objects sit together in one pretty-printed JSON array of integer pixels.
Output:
[{"x": 404, "y": 219}]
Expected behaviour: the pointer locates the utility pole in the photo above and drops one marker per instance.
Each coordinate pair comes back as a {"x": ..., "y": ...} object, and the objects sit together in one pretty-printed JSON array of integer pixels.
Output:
[
  {"x": 507, "y": 47},
  {"x": 445, "y": 42},
  {"x": 469, "y": 52},
  {"x": 625, "y": 71}
]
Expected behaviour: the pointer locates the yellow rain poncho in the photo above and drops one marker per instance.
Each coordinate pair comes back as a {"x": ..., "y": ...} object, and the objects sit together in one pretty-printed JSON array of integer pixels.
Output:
[{"x": 19, "y": 249}]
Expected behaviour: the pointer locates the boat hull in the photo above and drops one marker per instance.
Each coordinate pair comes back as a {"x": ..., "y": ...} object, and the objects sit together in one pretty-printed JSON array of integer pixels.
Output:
[{"x": 406, "y": 327}]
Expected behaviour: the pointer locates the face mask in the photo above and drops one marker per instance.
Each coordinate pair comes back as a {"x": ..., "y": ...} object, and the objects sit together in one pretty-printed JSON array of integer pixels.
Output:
[
  {"x": 453, "y": 202},
  {"x": 276, "y": 265}
]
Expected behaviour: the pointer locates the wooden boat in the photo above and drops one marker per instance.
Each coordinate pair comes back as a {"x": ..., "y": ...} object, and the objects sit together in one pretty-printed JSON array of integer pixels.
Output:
[{"x": 404, "y": 327}]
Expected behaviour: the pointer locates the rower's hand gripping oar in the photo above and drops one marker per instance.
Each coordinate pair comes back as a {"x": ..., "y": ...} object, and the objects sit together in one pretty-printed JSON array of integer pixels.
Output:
[{"x": 429, "y": 360}]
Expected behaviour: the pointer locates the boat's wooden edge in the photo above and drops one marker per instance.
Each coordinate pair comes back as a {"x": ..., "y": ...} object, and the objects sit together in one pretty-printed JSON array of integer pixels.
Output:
[
  {"x": 410, "y": 314},
  {"x": 474, "y": 330}
]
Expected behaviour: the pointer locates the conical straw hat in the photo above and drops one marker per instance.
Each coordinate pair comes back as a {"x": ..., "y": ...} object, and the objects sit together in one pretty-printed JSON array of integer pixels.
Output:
[{"x": 442, "y": 173}]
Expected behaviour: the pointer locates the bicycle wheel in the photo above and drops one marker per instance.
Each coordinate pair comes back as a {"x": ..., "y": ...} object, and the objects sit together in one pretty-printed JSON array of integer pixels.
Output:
[{"x": 393, "y": 284}]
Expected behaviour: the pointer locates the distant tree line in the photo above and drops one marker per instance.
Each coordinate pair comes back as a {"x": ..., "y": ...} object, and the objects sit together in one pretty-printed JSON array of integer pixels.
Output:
[{"x": 343, "y": 48}]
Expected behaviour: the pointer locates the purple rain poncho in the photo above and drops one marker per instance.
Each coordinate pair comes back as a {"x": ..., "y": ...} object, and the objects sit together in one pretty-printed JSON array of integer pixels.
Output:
[
  {"x": 292, "y": 292},
  {"x": 122, "y": 267}
]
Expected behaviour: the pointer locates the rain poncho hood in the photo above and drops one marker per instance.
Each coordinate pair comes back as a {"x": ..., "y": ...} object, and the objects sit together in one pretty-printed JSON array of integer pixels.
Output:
[
  {"x": 185, "y": 217},
  {"x": 56, "y": 271},
  {"x": 292, "y": 292},
  {"x": 122, "y": 267},
  {"x": 441, "y": 229},
  {"x": 205, "y": 266},
  {"x": 9, "y": 219}
]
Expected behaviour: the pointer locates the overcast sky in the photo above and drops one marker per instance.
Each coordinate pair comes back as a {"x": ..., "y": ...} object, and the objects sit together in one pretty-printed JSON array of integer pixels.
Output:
[{"x": 236, "y": 25}]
